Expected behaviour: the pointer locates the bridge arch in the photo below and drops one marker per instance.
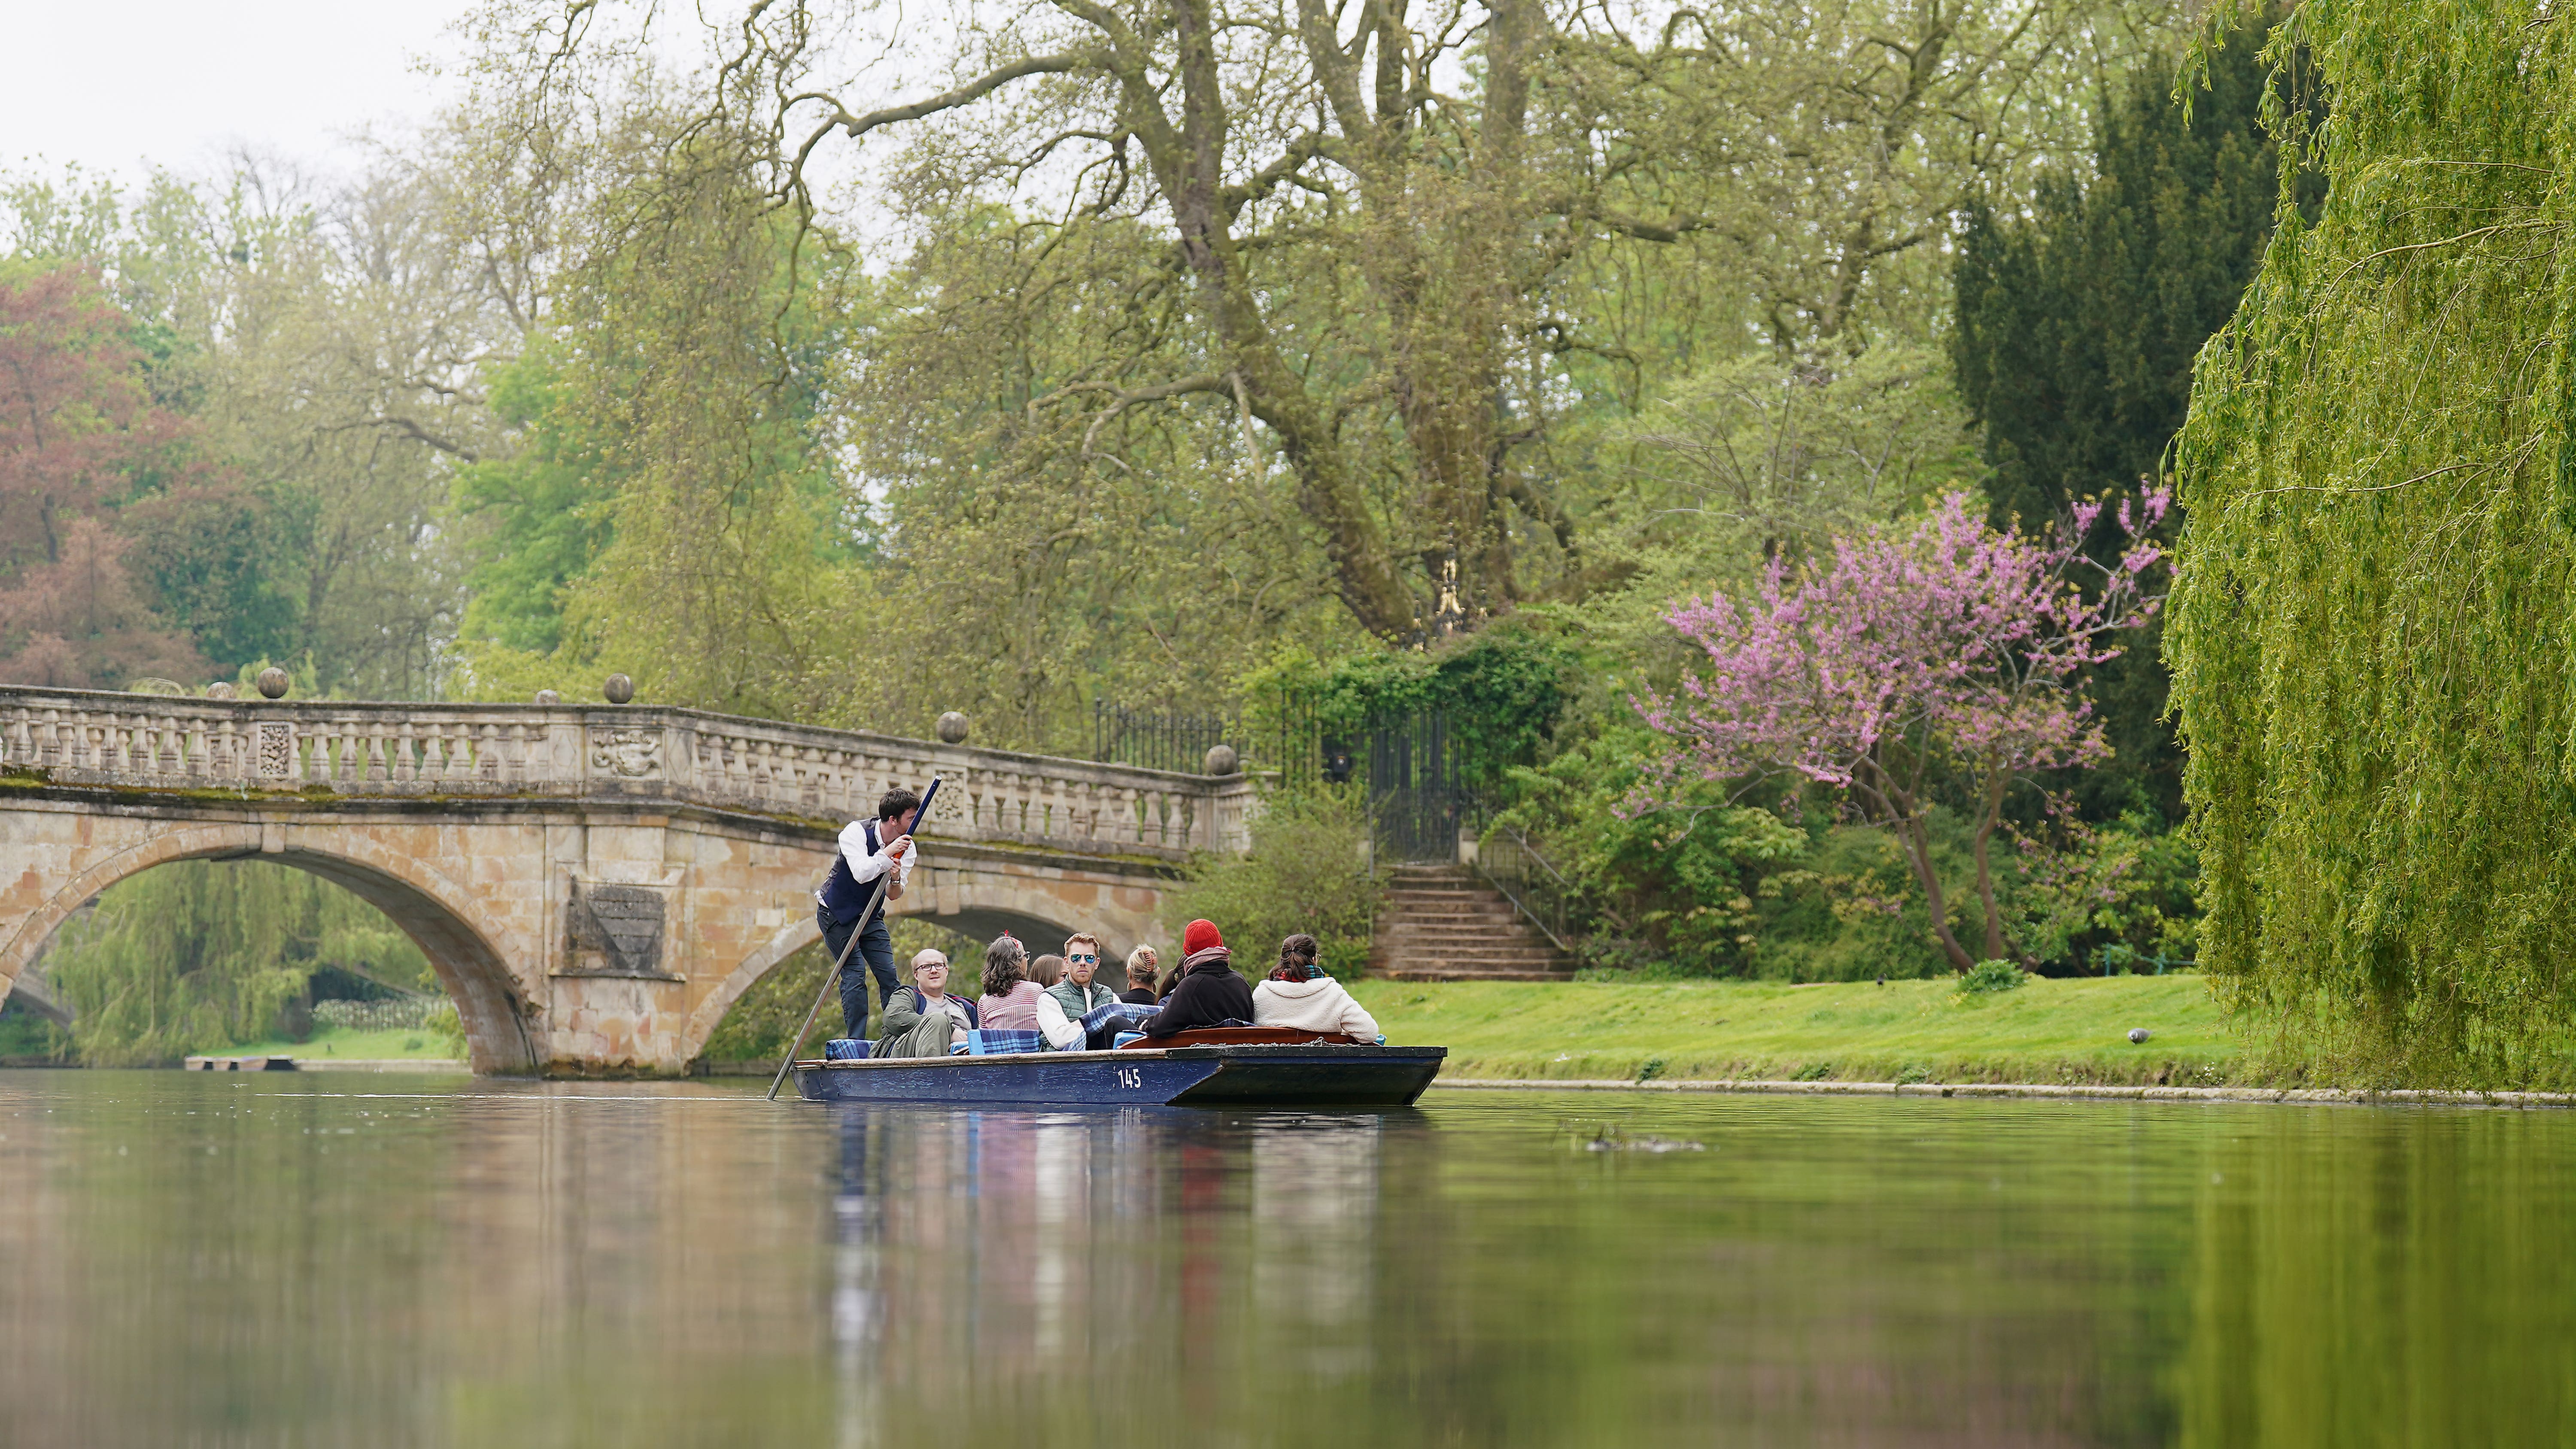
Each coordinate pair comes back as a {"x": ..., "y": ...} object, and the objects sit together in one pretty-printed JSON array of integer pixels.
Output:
[{"x": 419, "y": 900}]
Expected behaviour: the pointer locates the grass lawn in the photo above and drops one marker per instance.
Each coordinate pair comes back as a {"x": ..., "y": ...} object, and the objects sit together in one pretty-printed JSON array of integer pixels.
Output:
[
  {"x": 361, "y": 1046},
  {"x": 2072, "y": 1031}
]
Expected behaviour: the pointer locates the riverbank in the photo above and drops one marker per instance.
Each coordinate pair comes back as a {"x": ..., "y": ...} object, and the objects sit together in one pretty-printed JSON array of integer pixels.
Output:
[
  {"x": 2044, "y": 1033},
  {"x": 394, "y": 1050},
  {"x": 2026, "y": 1091}
]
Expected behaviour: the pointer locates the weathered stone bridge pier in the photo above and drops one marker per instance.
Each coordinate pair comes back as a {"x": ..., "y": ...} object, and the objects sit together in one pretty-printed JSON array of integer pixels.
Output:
[{"x": 596, "y": 885}]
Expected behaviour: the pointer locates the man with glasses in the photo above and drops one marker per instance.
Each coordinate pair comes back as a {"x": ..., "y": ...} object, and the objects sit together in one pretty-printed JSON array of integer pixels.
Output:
[
  {"x": 1076, "y": 1013},
  {"x": 923, "y": 1018}
]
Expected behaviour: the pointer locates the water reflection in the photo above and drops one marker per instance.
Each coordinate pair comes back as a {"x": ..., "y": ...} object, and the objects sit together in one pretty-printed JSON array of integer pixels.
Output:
[
  {"x": 1071, "y": 1265},
  {"x": 193, "y": 1261}
]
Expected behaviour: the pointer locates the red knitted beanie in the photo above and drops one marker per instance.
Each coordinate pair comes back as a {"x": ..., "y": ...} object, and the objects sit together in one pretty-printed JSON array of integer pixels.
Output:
[{"x": 1199, "y": 936}]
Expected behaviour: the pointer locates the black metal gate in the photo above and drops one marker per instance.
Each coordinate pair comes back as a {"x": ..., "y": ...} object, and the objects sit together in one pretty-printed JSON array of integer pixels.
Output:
[{"x": 1414, "y": 795}]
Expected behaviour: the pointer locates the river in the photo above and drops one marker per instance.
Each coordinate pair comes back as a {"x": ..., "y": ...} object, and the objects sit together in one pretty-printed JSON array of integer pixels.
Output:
[{"x": 344, "y": 1259}]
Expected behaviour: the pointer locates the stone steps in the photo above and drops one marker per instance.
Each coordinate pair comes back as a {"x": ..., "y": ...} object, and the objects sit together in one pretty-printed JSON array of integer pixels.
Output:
[{"x": 1443, "y": 923}]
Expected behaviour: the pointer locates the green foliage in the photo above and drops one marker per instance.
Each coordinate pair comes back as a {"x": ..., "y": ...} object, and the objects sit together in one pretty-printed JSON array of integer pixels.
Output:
[
  {"x": 1750, "y": 457},
  {"x": 1990, "y": 976},
  {"x": 1503, "y": 690},
  {"x": 26, "y": 1037},
  {"x": 199, "y": 955},
  {"x": 2075, "y": 891},
  {"x": 695, "y": 356},
  {"x": 1032, "y": 555},
  {"x": 210, "y": 557},
  {"x": 447, "y": 1024},
  {"x": 1309, "y": 870},
  {"x": 541, "y": 509},
  {"x": 2077, "y": 324},
  {"x": 1674, "y": 888},
  {"x": 1848, "y": 908},
  {"x": 2372, "y": 625}
]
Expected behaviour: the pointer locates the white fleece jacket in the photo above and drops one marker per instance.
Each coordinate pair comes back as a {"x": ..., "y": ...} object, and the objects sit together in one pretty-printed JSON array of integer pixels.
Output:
[{"x": 1317, "y": 1005}]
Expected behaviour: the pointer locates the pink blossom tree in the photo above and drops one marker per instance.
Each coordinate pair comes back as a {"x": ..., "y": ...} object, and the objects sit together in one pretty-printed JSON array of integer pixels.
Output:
[{"x": 1947, "y": 654}]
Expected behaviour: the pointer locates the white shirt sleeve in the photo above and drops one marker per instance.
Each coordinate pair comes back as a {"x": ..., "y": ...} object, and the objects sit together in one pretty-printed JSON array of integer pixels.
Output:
[
  {"x": 1061, "y": 1031},
  {"x": 865, "y": 867}
]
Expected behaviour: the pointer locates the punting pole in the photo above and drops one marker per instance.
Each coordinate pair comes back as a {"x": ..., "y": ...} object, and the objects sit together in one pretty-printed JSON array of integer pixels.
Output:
[{"x": 919, "y": 817}]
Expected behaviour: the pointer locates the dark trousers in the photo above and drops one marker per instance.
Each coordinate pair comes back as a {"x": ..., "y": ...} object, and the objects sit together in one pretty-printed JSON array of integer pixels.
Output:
[{"x": 875, "y": 956}]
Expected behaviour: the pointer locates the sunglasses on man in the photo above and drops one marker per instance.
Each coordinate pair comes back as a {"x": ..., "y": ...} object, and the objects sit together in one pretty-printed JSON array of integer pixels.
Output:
[{"x": 1083, "y": 960}]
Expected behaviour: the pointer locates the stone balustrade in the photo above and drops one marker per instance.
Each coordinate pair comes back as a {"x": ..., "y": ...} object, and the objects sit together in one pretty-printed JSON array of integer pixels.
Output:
[{"x": 689, "y": 757}]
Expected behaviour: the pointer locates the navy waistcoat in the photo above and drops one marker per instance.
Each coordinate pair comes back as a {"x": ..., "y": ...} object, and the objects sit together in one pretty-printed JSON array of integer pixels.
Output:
[{"x": 843, "y": 897}]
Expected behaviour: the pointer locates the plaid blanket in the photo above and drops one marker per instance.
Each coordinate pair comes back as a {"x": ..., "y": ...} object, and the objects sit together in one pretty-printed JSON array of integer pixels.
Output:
[
  {"x": 994, "y": 1043},
  {"x": 1125, "y": 1013},
  {"x": 845, "y": 1049}
]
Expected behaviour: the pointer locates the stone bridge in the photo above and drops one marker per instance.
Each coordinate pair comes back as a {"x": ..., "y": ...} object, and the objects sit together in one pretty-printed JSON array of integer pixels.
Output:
[{"x": 595, "y": 885}]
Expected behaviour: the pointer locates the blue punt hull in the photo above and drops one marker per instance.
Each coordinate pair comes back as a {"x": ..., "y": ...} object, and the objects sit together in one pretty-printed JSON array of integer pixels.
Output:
[{"x": 1191, "y": 1076}]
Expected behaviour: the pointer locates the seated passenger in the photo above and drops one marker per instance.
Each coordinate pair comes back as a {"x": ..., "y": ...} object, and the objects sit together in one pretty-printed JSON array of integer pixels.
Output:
[
  {"x": 922, "y": 1019},
  {"x": 1301, "y": 997},
  {"x": 1140, "y": 977},
  {"x": 1062, "y": 1011},
  {"x": 1046, "y": 971},
  {"x": 1208, "y": 992},
  {"x": 1010, "y": 998}
]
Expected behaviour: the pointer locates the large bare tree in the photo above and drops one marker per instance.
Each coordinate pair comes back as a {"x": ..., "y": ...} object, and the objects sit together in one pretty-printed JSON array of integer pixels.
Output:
[{"x": 1379, "y": 215}]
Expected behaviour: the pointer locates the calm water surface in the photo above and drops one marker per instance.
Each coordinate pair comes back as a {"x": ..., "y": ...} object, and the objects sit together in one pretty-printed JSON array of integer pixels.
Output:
[{"x": 189, "y": 1259}]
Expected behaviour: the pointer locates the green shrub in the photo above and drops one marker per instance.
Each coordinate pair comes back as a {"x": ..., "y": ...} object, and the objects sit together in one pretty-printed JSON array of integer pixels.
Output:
[
  {"x": 2073, "y": 891},
  {"x": 1308, "y": 870},
  {"x": 1673, "y": 890},
  {"x": 1992, "y": 976},
  {"x": 444, "y": 1022}
]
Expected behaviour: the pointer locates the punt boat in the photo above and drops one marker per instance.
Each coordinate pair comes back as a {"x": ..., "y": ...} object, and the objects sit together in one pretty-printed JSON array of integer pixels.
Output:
[{"x": 1215, "y": 1067}]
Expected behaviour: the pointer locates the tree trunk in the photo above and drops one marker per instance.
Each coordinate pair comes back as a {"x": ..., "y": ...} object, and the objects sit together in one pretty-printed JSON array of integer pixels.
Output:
[
  {"x": 1189, "y": 169},
  {"x": 1898, "y": 807},
  {"x": 1994, "y": 810}
]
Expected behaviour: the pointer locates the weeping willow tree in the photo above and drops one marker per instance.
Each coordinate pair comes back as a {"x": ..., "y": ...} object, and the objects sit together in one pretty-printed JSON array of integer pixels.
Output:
[
  {"x": 2372, "y": 631},
  {"x": 198, "y": 955}
]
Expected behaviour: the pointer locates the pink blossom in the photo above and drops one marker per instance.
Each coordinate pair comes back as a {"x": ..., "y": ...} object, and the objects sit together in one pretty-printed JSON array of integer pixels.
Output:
[{"x": 1948, "y": 649}]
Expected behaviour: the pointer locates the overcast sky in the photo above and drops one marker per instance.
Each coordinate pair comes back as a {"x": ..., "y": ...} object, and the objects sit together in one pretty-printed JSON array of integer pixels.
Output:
[{"x": 122, "y": 85}]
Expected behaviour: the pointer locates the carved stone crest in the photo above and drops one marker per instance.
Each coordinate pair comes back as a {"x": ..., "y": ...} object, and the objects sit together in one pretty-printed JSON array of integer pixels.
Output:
[
  {"x": 627, "y": 754},
  {"x": 276, "y": 750},
  {"x": 619, "y": 927}
]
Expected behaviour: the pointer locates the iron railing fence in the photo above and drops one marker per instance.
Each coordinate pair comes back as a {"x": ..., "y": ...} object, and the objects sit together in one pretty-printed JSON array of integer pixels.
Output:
[
  {"x": 1511, "y": 864},
  {"x": 1163, "y": 740},
  {"x": 1298, "y": 754}
]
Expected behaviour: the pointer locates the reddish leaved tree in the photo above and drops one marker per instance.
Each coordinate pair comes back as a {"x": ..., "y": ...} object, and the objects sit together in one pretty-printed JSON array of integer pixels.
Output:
[
  {"x": 1950, "y": 654},
  {"x": 78, "y": 622},
  {"x": 78, "y": 435}
]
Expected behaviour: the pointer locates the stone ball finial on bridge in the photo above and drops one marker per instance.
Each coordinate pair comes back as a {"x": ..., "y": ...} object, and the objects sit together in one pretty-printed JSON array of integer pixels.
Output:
[
  {"x": 221, "y": 689},
  {"x": 1221, "y": 760},
  {"x": 548, "y": 696},
  {"x": 273, "y": 682},
  {"x": 620, "y": 689},
  {"x": 952, "y": 728}
]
